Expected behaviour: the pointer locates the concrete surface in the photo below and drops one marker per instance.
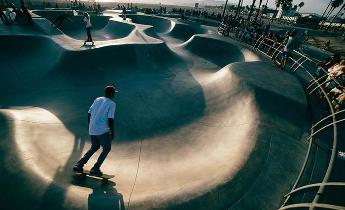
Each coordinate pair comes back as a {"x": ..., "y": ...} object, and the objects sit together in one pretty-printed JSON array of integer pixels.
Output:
[{"x": 201, "y": 121}]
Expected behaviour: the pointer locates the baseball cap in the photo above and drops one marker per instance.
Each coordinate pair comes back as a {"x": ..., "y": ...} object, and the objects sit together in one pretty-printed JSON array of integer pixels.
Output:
[{"x": 110, "y": 89}]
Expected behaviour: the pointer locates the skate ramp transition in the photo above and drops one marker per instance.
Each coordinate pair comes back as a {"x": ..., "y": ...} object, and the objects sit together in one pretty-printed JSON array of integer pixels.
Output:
[
  {"x": 174, "y": 28},
  {"x": 192, "y": 131},
  {"x": 159, "y": 24},
  {"x": 184, "y": 31},
  {"x": 103, "y": 27}
]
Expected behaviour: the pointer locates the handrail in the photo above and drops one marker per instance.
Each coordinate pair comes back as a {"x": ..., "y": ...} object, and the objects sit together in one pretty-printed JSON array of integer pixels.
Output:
[
  {"x": 307, "y": 187},
  {"x": 260, "y": 44},
  {"x": 312, "y": 205},
  {"x": 323, "y": 119},
  {"x": 312, "y": 83},
  {"x": 326, "y": 126},
  {"x": 302, "y": 170}
]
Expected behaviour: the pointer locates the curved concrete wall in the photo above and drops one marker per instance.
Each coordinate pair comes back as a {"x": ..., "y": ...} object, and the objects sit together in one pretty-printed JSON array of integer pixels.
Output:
[
  {"x": 77, "y": 22},
  {"x": 103, "y": 29},
  {"x": 185, "y": 138},
  {"x": 210, "y": 49},
  {"x": 185, "y": 32},
  {"x": 160, "y": 25}
]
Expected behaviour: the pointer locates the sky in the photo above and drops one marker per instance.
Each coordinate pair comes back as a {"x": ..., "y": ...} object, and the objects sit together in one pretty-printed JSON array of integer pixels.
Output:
[{"x": 311, "y": 6}]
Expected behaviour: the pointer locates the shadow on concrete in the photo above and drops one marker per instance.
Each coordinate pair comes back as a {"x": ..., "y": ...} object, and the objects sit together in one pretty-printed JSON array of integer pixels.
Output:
[
  {"x": 210, "y": 49},
  {"x": 103, "y": 196},
  {"x": 55, "y": 192}
]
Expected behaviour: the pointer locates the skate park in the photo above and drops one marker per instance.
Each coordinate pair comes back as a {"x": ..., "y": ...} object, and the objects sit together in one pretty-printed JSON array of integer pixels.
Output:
[{"x": 203, "y": 121}]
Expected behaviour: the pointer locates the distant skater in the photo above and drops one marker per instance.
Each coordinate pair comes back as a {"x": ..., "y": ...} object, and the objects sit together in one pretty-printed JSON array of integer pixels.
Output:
[
  {"x": 88, "y": 27},
  {"x": 292, "y": 43},
  {"x": 101, "y": 130},
  {"x": 124, "y": 11}
]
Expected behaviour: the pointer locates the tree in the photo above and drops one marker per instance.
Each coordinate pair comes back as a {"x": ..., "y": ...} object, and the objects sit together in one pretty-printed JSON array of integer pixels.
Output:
[
  {"x": 324, "y": 12},
  {"x": 334, "y": 5},
  {"x": 226, "y": 4},
  {"x": 251, "y": 10},
  {"x": 240, "y": 2},
  {"x": 342, "y": 22},
  {"x": 257, "y": 14},
  {"x": 285, "y": 4},
  {"x": 336, "y": 16},
  {"x": 300, "y": 5}
]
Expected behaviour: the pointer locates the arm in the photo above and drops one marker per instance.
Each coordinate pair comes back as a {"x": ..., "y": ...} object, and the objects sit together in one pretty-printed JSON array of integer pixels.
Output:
[{"x": 111, "y": 126}]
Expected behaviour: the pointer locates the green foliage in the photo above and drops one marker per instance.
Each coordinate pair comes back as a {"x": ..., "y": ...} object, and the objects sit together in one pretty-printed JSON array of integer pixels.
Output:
[
  {"x": 336, "y": 3},
  {"x": 301, "y": 4},
  {"x": 286, "y": 4}
]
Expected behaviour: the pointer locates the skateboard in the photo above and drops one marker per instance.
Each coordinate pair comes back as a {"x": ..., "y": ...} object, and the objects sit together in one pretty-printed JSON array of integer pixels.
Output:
[
  {"x": 93, "y": 43},
  {"x": 104, "y": 177}
]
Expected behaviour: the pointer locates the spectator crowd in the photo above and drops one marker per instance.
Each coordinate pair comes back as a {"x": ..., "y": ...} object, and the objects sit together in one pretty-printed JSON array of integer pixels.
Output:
[
  {"x": 282, "y": 48},
  {"x": 10, "y": 14}
]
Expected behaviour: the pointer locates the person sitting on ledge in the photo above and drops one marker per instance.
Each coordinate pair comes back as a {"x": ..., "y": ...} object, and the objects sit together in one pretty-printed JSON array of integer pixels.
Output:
[
  {"x": 339, "y": 101},
  {"x": 3, "y": 17},
  {"x": 336, "y": 75},
  {"x": 326, "y": 64}
]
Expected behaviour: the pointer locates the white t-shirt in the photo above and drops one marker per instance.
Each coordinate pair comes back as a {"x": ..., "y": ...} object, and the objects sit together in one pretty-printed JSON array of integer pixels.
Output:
[
  {"x": 88, "y": 22},
  {"x": 101, "y": 109}
]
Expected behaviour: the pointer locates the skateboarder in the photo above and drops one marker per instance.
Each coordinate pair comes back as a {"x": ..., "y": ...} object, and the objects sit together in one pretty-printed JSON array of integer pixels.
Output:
[
  {"x": 101, "y": 130},
  {"x": 124, "y": 12},
  {"x": 88, "y": 27}
]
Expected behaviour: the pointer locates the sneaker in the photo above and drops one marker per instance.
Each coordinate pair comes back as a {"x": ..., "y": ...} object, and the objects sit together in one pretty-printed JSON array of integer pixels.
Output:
[
  {"x": 96, "y": 172},
  {"x": 78, "y": 168}
]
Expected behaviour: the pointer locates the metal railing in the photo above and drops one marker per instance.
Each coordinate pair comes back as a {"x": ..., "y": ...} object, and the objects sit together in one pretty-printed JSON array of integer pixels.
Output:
[{"x": 304, "y": 67}]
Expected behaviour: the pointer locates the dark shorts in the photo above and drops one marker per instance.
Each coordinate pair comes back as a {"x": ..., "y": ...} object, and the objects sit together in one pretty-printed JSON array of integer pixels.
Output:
[{"x": 103, "y": 140}]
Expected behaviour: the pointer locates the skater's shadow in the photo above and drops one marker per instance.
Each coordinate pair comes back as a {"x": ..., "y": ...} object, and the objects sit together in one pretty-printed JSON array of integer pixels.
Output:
[{"x": 103, "y": 196}]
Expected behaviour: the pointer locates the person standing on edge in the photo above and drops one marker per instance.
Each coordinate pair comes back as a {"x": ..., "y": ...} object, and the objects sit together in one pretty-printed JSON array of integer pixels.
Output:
[
  {"x": 124, "y": 12},
  {"x": 292, "y": 43},
  {"x": 101, "y": 130},
  {"x": 87, "y": 20}
]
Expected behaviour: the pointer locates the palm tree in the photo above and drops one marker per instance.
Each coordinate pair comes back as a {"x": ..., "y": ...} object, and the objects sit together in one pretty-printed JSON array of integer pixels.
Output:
[
  {"x": 285, "y": 4},
  {"x": 300, "y": 5},
  {"x": 335, "y": 4},
  {"x": 257, "y": 14},
  {"x": 343, "y": 21},
  {"x": 226, "y": 4},
  {"x": 264, "y": 9},
  {"x": 251, "y": 10},
  {"x": 336, "y": 16},
  {"x": 240, "y": 2},
  {"x": 324, "y": 12}
]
